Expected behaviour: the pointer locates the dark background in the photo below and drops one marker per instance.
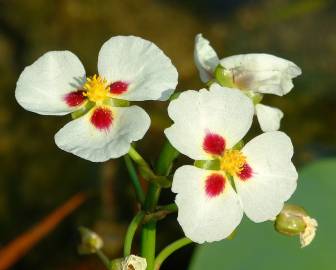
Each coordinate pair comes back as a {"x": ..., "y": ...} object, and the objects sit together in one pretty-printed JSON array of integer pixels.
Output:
[{"x": 36, "y": 176}]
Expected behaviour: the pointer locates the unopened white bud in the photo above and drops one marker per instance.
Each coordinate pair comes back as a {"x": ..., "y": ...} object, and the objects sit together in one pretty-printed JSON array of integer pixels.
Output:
[{"x": 133, "y": 262}]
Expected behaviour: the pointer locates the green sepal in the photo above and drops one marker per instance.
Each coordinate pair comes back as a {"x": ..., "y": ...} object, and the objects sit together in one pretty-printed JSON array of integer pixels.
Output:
[
  {"x": 232, "y": 235},
  {"x": 255, "y": 97},
  {"x": 208, "y": 164},
  {"x": 239, "y": 145},
  {"x": 175, "y": 95},
  {"x": 83, "y": 110},
  {"x": 231, "y": 180},
  {"x": 224, "y": 77},
  {"x": 114, "y": 102}
]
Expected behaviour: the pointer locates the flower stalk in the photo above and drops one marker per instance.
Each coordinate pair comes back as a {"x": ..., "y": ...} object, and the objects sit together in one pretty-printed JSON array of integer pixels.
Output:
[
  {"x": 148, "y": 237},
  {"x": 134, "y": 179},
  {"x": 167, "y": 251},
  {"x": 136, "y": 221},
  {"x": 106, "y": 262},
  {"x": 146, "y": 171}
]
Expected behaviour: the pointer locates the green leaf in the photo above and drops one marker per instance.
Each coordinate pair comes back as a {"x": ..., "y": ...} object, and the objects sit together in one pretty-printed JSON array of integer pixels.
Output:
[{"x": 260, "y": 247}]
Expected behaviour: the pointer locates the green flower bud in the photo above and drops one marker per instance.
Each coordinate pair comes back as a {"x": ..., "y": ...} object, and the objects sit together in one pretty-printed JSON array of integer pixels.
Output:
[
  {"x": 294, "y": 220},
  {"x": 116, "y": 264},
  {"x": 90, "y": 241}
]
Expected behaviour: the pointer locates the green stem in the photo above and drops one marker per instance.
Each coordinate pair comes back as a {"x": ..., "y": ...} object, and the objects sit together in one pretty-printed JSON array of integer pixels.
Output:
[
  {"x": 148, "y": 236},
  {"x": 167, "y": 251},
  {"x": 131, "y": 232},
  {"x": 160, "y": 213},
  {"x": 167, "y": 156},
  {"x": 146, "y": 171},
  {"x": 137, "y": 158},
  {"x": 135, "y": 180},
  {"x": 168, "y": 207},
  {"x": 104, "y": 259}
]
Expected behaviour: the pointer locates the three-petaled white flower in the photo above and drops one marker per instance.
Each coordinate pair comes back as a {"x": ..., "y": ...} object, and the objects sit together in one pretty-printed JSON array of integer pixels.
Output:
[
  {"x": 130, "y": 69},
  {"x": 256, "y": 179},
  {"x": 255, "y": 74}
]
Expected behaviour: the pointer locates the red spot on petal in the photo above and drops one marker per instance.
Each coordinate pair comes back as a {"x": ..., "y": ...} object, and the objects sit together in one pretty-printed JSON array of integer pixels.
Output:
[
  {"x": 102, "y": 118},
  {"x": 214, "y": 144},
  {"x": 75, "y": 98},
  {"x": 214, "y": 185},
  {"x": 118, "y": 87},
  {"x": 246, "y": 172}
]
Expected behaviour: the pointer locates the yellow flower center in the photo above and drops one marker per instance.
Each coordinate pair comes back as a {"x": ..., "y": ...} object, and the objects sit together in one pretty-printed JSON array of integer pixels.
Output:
[
  {"x": 96, "y": 88},
  {"x": 232, "y": 161}
]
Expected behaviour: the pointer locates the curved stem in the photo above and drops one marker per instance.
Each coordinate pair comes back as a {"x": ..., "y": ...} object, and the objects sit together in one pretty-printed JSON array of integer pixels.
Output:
[
  {"x": 135, "y": 180},
  {"x": 104, "y": 259},
  {"x": 146, "y": 171},
  {"x": 131, "y": 232},
  {"x": 167, "y": 251},
  {"x": 137, "y": 158}
]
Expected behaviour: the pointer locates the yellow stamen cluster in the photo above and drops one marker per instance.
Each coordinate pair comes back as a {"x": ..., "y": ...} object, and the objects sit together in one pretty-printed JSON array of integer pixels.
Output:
[
  {"x": 232, "y": 161},
  {"x": 96, "y": 88}
]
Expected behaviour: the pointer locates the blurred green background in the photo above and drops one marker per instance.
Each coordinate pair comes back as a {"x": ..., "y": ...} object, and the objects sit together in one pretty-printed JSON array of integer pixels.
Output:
[{"x": 36, "y": 177}]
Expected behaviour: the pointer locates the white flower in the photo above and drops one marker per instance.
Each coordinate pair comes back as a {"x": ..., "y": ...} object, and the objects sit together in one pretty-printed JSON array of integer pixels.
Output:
[
  {"x": 207, "y": 126},
  {"x": 254, "y": 74},
  {"x": 130, "y": 69}
]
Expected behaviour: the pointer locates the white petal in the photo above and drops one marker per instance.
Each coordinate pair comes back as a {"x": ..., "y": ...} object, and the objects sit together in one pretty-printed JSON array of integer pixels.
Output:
[
  {"x": 221, "y": 111},
  {"x": 273, "y": 178},
  {"x": 148, "y": 71},
  {"x": 205, "y": 58},
  {"x": 204, "y": 219},
  {"x": 269, "y": 117},
  {"x": 263, "y": 73},
  {"x": 83, "y": 139},
  {"x": 42, "y": 86}
]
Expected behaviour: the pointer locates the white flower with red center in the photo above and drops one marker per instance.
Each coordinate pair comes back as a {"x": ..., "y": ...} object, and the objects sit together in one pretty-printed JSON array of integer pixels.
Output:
[
  {"x": 129, "y": 68},
  {"x": 256, "y": 179},
  {"x": 255, "y": 74}
]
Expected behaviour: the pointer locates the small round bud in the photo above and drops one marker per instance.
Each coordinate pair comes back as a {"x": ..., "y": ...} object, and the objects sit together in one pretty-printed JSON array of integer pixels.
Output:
[
  {"x": 90, "y": 241},
  {"x": 133, "y": 262},
  {"x": 294, "y": 220},
  {"x": 116, "y": 264}
]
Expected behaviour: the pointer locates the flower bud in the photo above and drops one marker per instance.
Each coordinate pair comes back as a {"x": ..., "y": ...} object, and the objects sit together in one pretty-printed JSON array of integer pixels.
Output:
[
  {"x": 116, "y": 264},
  {"x": 90, "y": 241},
  {"x": 294, "y": 220},
  {"x": 133, "y": 262}
]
